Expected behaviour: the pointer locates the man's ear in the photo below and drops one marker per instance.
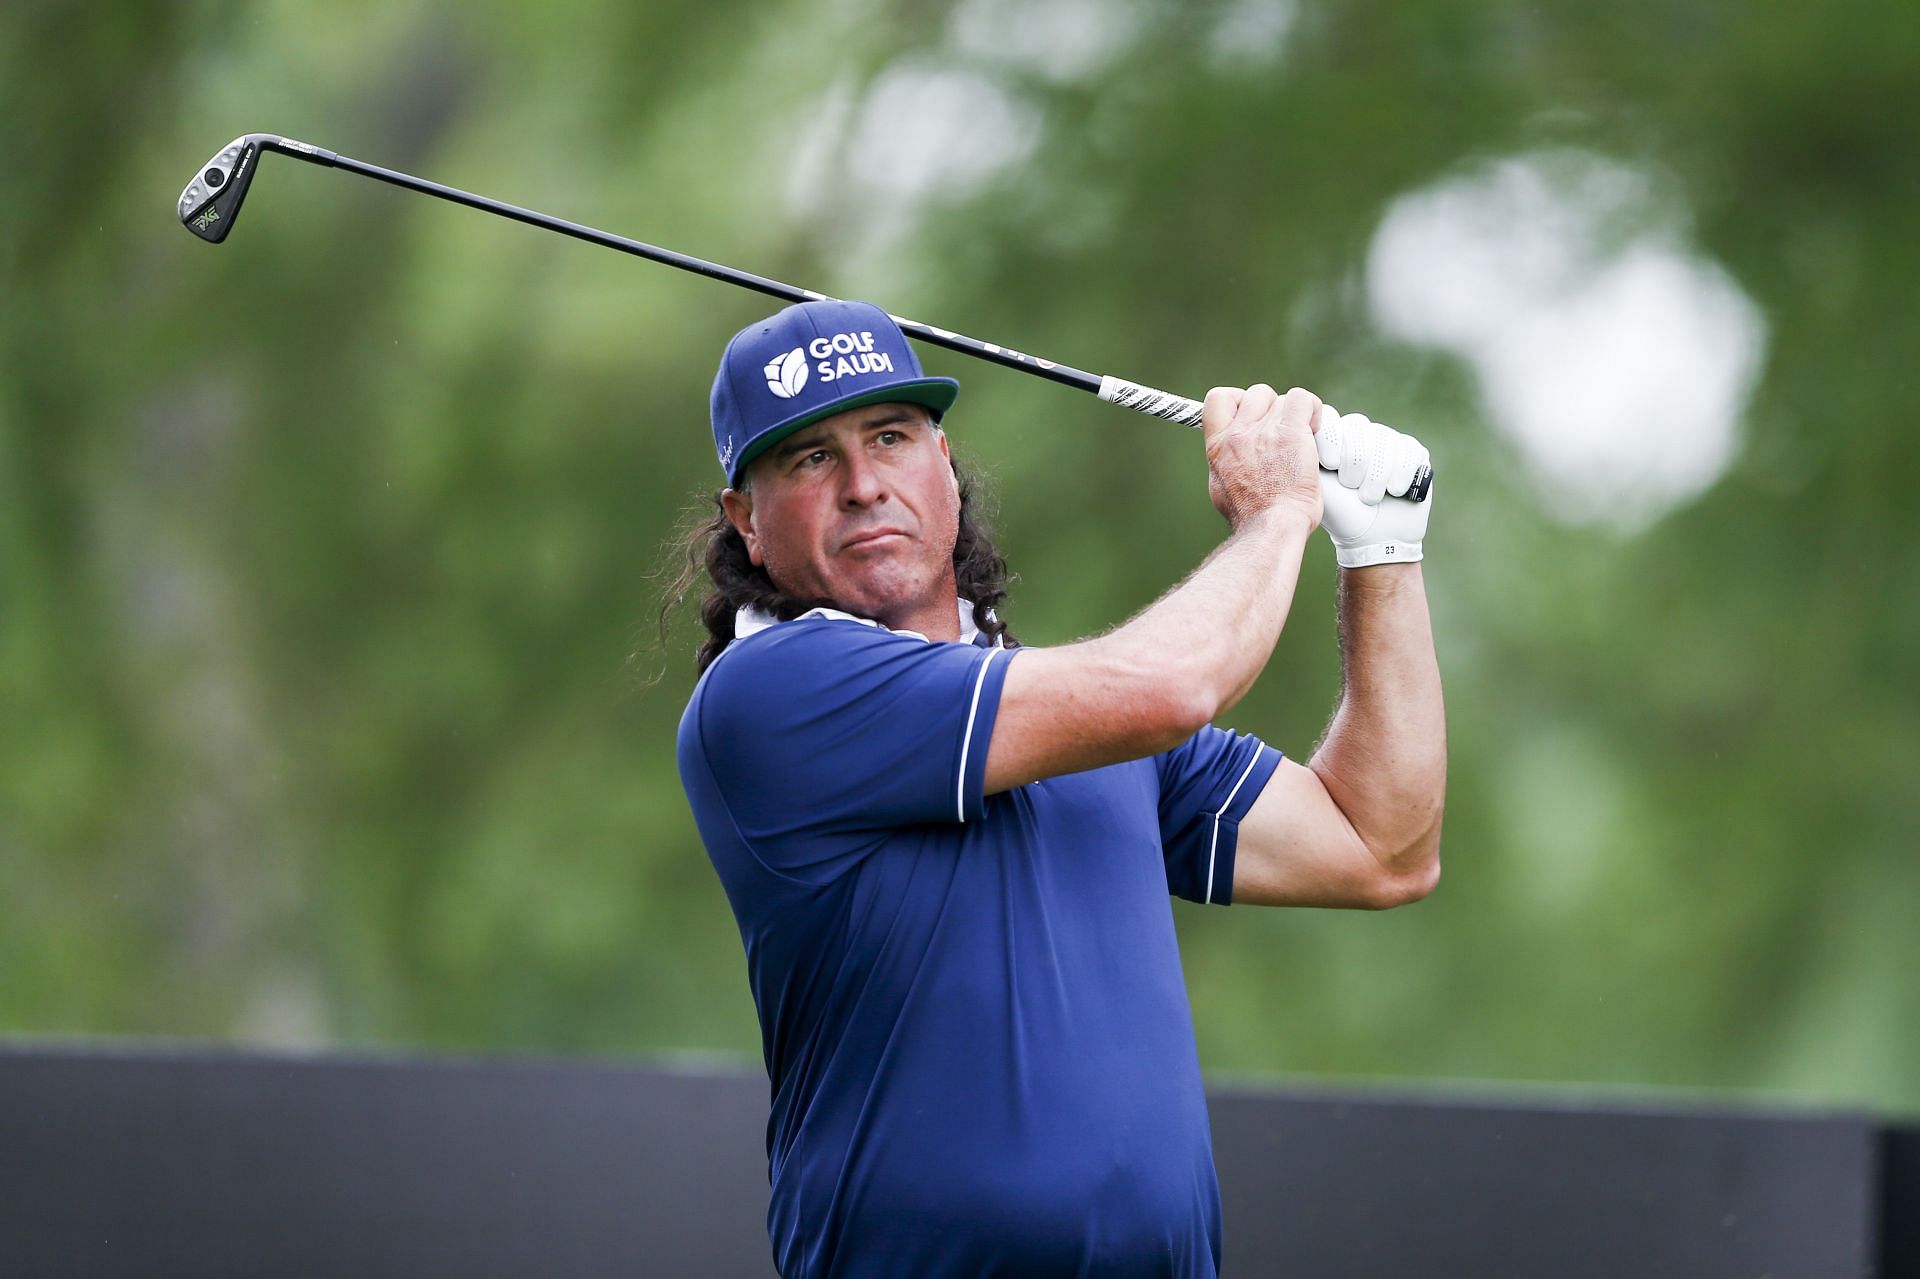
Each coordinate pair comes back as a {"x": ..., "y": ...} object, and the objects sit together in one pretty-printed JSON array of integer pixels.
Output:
[
  {"x": 953, "y": 476},
  {"x": 738, "y": 506}
]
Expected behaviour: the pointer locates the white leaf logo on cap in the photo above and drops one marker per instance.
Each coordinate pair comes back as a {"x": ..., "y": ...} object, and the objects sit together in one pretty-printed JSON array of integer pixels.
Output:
[{"x": 786, "y": 375}]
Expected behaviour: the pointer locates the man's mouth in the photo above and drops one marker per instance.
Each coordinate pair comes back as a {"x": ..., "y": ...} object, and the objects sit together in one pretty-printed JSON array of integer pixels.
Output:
[{"x": 870, "y": 537}]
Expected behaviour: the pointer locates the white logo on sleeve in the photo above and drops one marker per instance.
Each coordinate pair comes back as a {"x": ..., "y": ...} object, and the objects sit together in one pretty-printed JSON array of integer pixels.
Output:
[{"x": 786, "y": 375}]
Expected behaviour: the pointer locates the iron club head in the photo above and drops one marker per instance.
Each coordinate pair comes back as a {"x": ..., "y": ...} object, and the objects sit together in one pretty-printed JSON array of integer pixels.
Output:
[{"x": 211, "y": 201}]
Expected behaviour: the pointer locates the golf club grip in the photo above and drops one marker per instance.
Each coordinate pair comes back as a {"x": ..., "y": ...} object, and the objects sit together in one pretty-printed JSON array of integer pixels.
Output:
[
  {"x": 1178, "y": 408},
  {"x": 1144, "y": 399}
]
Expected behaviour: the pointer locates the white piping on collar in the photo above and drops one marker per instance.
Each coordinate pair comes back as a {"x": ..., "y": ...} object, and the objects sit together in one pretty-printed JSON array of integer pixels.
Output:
[{"x": 750, "y": 620}]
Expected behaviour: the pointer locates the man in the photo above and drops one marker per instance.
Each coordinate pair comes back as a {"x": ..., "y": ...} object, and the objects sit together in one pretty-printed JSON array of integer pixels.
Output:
[{"x": 950, "y": 856}]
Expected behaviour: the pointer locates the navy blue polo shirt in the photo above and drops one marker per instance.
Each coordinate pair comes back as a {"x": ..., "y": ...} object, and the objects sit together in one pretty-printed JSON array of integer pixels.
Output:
[{"x": 972, "y": 1007}]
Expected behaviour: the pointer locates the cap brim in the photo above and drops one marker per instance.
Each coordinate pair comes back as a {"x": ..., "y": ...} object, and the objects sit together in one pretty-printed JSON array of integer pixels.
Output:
[{"x": 936, "y": 393}]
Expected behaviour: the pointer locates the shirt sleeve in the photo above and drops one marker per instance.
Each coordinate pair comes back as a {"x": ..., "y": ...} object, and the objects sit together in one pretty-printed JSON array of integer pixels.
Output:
[
  {"x": 1207, "y": 784},
  {"x": 821, "y": 730}
]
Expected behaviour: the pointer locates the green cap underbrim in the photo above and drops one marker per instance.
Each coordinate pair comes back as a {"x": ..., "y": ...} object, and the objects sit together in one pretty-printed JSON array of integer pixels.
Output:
[{"x": 936, "y": 393}]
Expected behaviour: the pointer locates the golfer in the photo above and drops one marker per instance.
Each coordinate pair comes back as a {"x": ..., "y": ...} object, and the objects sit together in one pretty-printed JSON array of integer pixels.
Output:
[{"x": 950, "y": 856}]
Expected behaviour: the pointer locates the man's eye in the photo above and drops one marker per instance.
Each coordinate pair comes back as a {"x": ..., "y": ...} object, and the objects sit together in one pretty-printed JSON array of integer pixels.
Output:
[
  {"x": 814, "y": 458},
  {"x": 892, "y": 437}
]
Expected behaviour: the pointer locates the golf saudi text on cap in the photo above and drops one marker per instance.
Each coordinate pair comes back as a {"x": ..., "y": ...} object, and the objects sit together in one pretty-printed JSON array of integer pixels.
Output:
[{"x": 810, "y": 361}]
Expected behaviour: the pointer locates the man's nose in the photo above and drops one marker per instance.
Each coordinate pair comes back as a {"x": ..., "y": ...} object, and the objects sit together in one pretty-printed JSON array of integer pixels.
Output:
[{"x": 860, "y": 483}]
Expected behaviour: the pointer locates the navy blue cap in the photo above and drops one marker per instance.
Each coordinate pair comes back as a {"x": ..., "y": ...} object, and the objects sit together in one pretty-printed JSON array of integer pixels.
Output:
[{"x": 810, "y": 361}]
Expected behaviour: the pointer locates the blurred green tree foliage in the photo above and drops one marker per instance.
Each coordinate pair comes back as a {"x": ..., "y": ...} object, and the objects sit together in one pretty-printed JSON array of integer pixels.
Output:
[{"x": 323, "y": 555}]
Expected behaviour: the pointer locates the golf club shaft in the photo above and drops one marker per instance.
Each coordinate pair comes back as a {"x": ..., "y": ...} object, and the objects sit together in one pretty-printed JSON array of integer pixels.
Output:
[
  {"x": 1132, "y": 395},
  {"x": 1177, "y": 408}
]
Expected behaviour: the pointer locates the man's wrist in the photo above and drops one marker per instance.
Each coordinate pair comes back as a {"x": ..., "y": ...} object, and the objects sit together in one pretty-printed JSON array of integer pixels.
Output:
[
  {"x": 1382, "y": 584},
  {"x": 1285, "y": 520}
]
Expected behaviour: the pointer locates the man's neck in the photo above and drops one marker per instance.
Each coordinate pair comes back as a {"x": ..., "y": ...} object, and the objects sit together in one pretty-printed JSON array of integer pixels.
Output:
[{"x": 938, "y": 620}]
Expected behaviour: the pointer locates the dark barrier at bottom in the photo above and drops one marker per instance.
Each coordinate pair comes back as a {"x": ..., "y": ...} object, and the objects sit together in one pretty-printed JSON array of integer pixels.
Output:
[{"x": 175, "y": 1163}]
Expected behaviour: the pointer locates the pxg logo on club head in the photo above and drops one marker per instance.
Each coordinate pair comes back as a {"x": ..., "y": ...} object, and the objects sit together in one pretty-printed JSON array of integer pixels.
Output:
[{"x": 788, "y": 374}]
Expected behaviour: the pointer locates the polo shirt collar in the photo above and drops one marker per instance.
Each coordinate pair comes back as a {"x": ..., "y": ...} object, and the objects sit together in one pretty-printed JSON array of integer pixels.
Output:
[{"x": 749, "y": 620}]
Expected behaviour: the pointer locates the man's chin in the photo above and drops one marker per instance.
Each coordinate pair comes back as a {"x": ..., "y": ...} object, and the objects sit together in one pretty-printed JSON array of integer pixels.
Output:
[{"x": 883, "y": 600}]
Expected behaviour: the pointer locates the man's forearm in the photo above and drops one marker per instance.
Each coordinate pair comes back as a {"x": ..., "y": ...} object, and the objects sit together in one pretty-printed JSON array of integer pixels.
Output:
[
  {"x": 1384, "y": 758},
  {"x": 1147, "y": 686},
  {"x": 1213, "y": 633}
]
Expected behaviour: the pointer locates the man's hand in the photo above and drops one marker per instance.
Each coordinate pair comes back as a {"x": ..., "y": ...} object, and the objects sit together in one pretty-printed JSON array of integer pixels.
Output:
[
  {"x": 1260, "y": 453},
  {"x": 1366, "y": 470}
]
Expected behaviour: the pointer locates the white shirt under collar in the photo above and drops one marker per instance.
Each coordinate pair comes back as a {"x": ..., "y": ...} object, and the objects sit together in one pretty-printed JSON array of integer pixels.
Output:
[{"x": 749, "y": 620}]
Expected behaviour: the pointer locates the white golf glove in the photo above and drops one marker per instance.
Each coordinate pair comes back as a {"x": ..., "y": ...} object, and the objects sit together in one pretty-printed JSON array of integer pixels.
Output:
[{"x": 1366, "y": 468}]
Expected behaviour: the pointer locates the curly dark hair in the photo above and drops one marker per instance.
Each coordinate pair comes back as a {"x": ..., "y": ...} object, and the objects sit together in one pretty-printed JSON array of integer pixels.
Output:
[{"x": 710, "y": 545}]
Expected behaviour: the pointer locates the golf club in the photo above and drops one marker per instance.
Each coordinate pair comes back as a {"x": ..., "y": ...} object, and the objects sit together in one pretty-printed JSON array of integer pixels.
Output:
[{"x": 211, "y": 204}]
